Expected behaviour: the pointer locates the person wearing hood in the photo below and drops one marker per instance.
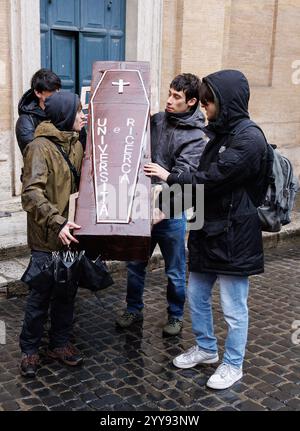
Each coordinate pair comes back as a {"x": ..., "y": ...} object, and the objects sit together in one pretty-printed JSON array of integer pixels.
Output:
[
  {"x": 31, "y": 106},
  {"x": 229, "y": 246},
  {"x": 47, "y": 185},
  {"x": 177, "y": 141}
]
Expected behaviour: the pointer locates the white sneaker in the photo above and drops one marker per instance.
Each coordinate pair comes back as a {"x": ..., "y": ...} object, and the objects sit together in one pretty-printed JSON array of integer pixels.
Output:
[
  {"x": 224, "y": 377},
  {"x": 195, "y": 356}
]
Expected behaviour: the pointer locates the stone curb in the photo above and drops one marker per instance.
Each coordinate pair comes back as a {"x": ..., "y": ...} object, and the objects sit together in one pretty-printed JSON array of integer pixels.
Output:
[{"x": 287, "y": 234}]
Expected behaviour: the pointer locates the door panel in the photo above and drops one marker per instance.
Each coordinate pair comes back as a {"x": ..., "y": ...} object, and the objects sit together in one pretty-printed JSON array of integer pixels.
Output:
[
  {"x": 92, "y": 47},
  {"x": 117, "y": 15},
  {"x": 75, "y": 33},
  {"x": 116, "y": 47},
  {"x": 92, "y": 15},
  {"x": 45, "y": 49},
  {"x": 45, "y": 35},
  {"x": 63, "y": 49},
  {"x": 44, "y": 11},
  {"x": 116, "y": 23},
  {"x": 64, "y": 13}
]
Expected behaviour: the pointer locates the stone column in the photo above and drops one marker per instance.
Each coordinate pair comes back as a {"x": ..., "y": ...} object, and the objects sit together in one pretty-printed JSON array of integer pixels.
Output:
[
  {"x": 25, "y": 60},
  {"x": 144, "y": 39},
  {"x": 5, "y": 91}
]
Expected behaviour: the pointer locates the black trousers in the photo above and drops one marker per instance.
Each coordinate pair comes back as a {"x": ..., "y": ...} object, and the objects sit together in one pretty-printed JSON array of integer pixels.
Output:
[{"x": 36, "y": 313}]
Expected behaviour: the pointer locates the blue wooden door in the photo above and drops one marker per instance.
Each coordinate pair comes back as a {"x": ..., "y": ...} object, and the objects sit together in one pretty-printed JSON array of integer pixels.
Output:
[{"x": 75, "y": 33}]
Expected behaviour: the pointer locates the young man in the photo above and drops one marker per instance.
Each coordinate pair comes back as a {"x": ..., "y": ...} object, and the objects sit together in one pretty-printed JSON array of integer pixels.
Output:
[
  {"x": 229, "y": 246},
  {"x": 32, "y": 106},
  {"x": 177, "y": 141},
  {"x": 47, "y": 185}
]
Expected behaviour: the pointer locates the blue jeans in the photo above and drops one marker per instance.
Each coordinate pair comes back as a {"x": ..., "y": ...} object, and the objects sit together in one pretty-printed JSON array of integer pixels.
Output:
[
  {"x": 169, "y": 234},
  {"x": 234, "y": 295}
]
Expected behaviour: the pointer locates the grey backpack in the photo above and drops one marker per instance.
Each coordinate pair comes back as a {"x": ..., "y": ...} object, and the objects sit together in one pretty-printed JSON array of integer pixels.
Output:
[{"x": 281, "y": 186}]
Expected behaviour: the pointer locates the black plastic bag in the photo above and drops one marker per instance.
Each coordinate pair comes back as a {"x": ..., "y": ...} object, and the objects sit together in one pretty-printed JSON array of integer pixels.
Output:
[{"x": 94, "y": 275}]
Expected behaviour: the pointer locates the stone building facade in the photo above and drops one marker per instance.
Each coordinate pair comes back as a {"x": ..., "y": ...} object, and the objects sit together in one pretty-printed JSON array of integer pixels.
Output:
[{"x": 259, "y": 37}]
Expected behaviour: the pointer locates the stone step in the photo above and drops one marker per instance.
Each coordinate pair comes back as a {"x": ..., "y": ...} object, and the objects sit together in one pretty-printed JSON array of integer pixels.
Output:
[{"x": 13, "y": 237}]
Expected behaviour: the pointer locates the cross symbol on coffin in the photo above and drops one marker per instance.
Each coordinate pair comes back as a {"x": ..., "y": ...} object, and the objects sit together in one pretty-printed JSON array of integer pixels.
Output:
[{"x": 121, "y": 85}]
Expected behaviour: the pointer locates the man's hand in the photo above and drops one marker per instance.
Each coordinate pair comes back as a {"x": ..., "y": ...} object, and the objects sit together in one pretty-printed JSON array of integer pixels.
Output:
[
  {"x": 65, "y": 235},
  {"x": 153, "y": 169}
]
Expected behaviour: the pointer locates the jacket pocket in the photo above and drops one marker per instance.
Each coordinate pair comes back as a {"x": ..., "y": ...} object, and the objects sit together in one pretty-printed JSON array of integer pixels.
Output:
[
  {"x": 217, "y": 244},
  {"x": 247, "y": 239}
]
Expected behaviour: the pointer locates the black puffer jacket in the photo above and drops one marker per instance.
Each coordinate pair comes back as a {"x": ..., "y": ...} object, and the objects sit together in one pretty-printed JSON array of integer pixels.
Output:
[
  {"x": 177, "y": 140},
  {"x": 30, "y": 116},
  {"x": 231, "y": 169}
]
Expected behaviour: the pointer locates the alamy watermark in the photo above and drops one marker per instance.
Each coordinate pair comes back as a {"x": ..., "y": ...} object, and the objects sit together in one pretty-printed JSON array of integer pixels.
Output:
[
  {"x": 2, "y": 332},
  {"x": 295, "y": 337},
  {"x": 296, "y": 73},
  {"x": 115, "y": 203}
]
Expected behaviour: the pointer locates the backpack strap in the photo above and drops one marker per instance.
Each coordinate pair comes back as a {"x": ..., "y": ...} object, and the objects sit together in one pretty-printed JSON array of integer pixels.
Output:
[
  {"x": 267, "y": 160},
  {"x": 71, "y": 166},
  {"x": 243, "y": 125}
]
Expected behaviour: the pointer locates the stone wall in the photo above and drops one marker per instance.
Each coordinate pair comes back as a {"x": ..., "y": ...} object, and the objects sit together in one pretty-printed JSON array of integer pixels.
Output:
[
  {"x": 259, "y": 37},
  {"x": 5, "y": 107}
]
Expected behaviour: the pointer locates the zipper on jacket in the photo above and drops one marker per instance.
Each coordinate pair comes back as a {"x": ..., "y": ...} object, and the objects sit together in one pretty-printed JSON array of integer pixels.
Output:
[{"x": 227, "y": 228}]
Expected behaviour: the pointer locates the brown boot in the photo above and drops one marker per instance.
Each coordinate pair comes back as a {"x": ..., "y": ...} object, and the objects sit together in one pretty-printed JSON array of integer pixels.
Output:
[
  {"x": 68, "y": 355},
  {"x": 29, "y": 364}
]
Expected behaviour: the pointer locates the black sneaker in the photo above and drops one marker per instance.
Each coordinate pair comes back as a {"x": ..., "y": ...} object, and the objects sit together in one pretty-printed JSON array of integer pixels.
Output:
[
  {"x": 127, "y": 319},
  {"x": 29, "y": 364},
  {"x": 173, "y": 327},
  {"x": 68, "y": 354}
]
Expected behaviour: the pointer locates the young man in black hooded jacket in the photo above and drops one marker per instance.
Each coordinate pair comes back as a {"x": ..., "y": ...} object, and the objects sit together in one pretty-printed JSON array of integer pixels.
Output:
[{"x": 229, "y": 246}]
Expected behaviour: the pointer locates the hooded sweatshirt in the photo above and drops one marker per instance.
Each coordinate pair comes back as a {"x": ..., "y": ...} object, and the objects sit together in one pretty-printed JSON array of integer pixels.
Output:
[
  {"x": 232, "y": 100},
  {"x": 47, "y": 180},
  {"x": 177, "y": 140},
  {"x": 61, "y": 109}
]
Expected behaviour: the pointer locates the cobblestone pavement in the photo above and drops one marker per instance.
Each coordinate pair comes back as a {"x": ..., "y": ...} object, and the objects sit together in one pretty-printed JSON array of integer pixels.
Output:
[{"x": 132, "y": 369}]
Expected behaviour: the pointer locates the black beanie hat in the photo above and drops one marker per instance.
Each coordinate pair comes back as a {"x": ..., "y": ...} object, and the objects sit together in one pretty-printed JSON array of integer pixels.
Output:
[{"x": 61, "y": 109}]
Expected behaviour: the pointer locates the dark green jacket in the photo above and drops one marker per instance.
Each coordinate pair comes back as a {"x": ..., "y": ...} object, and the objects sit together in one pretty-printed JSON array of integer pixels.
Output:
[{"x": 47, "y": 184}]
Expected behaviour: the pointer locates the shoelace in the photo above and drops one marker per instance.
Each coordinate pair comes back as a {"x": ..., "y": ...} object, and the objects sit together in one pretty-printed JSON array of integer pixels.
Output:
[
  {"x": 68, "y": 350},
  {"x": 127, "y": 314},
  {"x": 72, "y": 349},
  {"x": 31, "y": 359},
  {"x": 173, "y": 321},
  {"x": 191, "y": 350},
  {"x": 223, "y": 369}
]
